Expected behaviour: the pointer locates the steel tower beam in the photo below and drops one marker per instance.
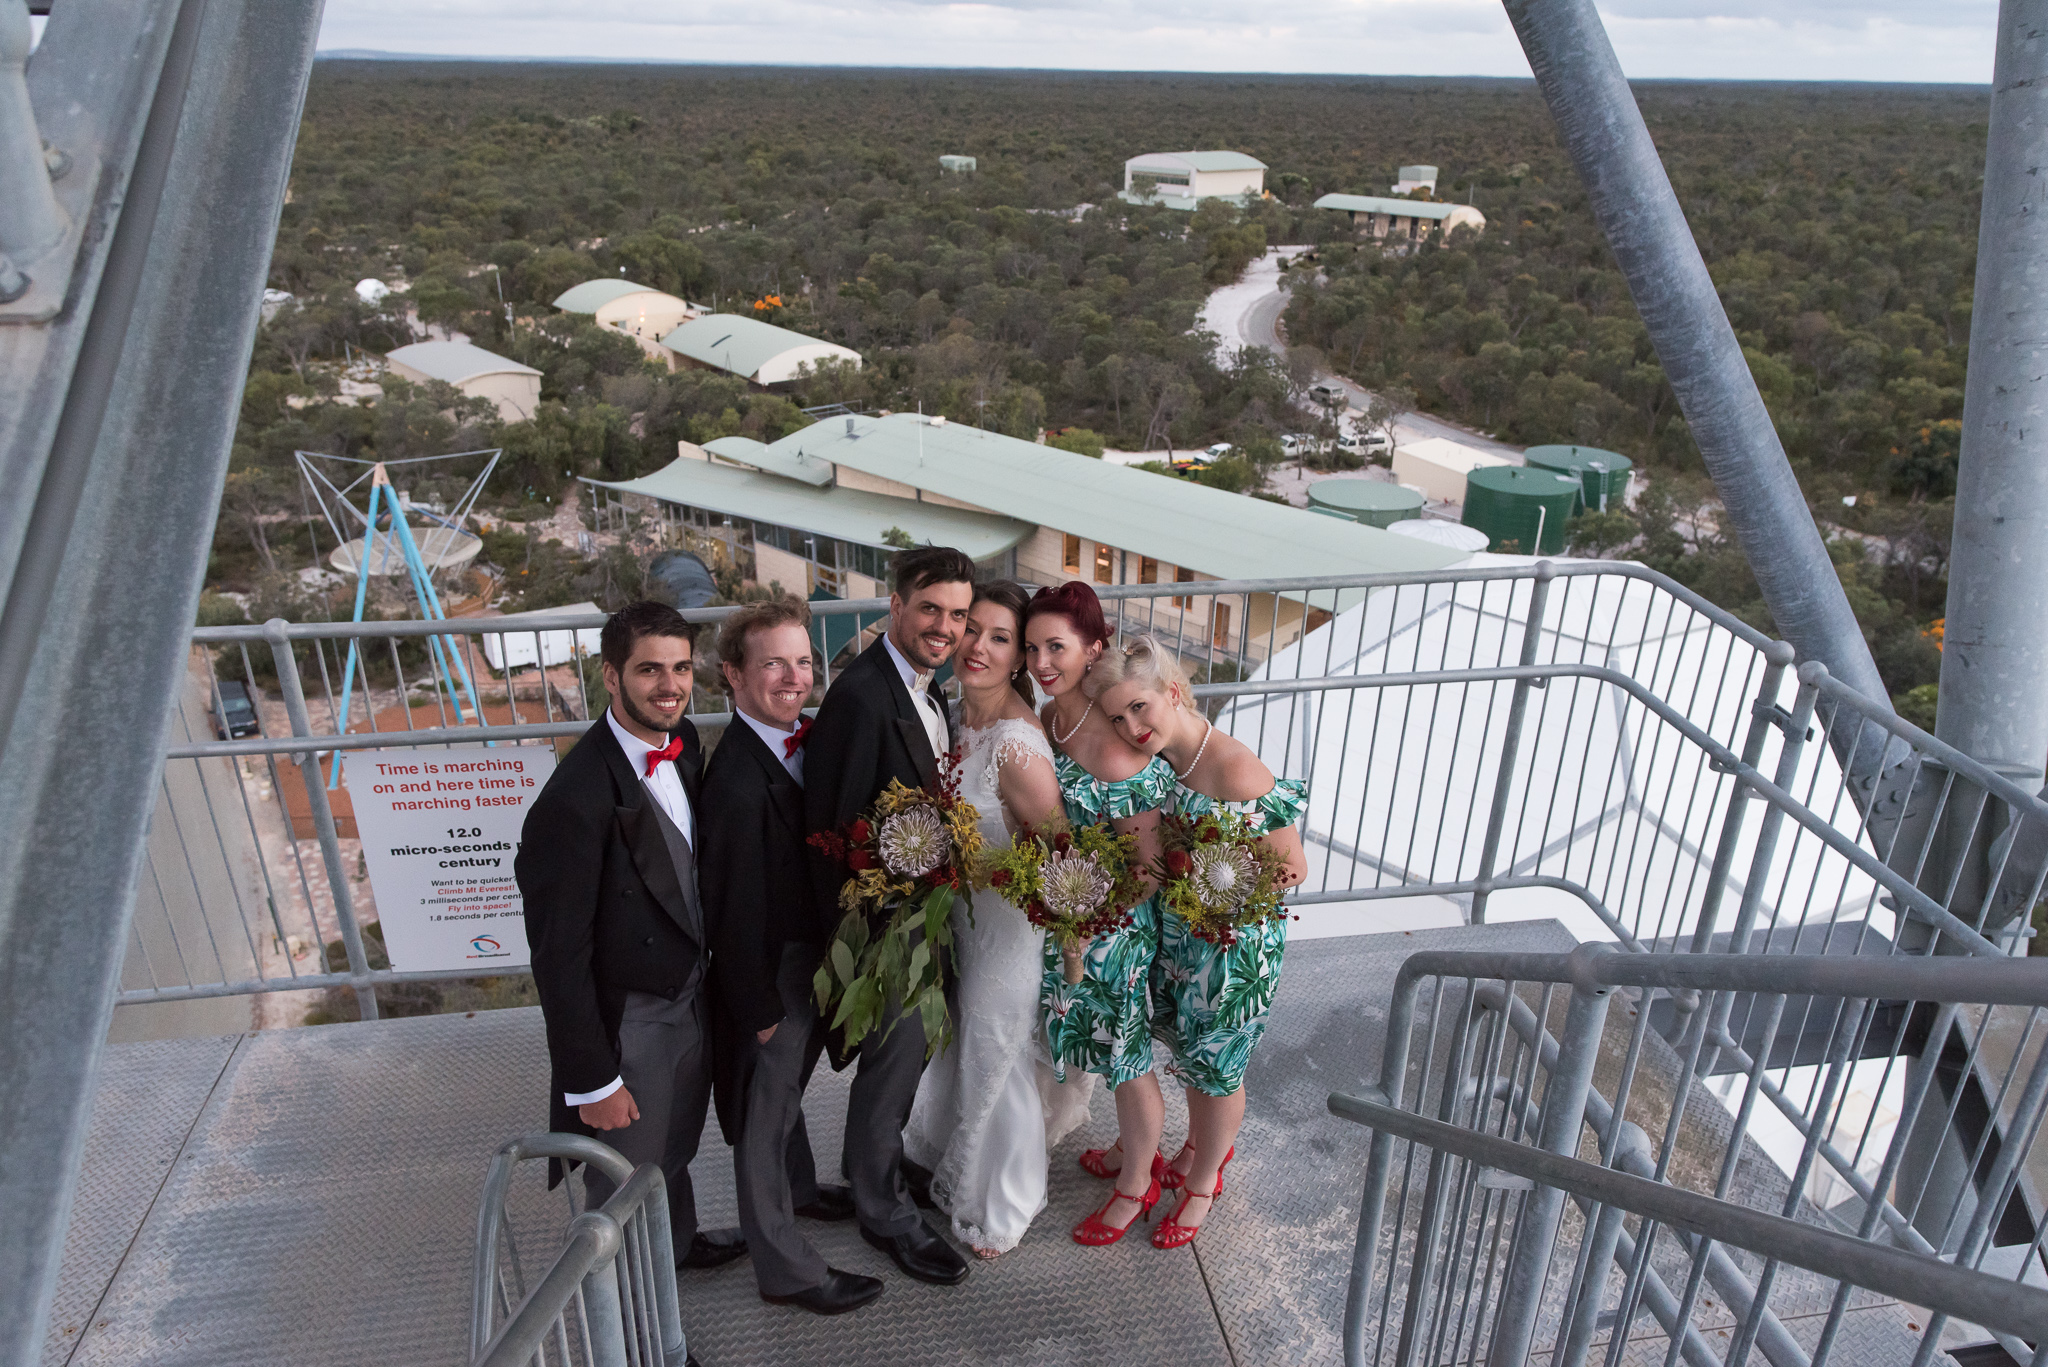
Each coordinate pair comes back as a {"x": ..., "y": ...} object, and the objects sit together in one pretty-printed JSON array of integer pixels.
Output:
[
  {"x": 1994, "y": 667},
  {"x": 116, "y": 417},
  {"x": 1633, "y": 202}
]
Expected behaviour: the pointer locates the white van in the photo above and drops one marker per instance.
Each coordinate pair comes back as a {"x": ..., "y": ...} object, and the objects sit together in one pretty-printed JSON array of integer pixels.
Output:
[{"x": 1365, "y": 444}]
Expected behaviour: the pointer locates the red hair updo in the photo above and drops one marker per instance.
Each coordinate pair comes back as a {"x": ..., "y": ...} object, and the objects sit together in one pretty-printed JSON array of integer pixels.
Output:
[{"x": 1075, "y": 602}]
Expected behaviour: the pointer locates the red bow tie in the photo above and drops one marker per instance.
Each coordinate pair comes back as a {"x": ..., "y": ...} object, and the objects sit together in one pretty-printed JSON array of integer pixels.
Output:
[
  {"x": 795, "y": 740},
  {"x": 667, "y": 753}
]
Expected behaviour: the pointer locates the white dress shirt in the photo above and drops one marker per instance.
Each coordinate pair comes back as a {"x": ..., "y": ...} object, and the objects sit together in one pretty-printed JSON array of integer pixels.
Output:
[
  {"x": 665, "y": 783},
  {"x": 667, "y": 787},
  {"x": 917, "y": 681},
  {"x": 773, "y": 737}
]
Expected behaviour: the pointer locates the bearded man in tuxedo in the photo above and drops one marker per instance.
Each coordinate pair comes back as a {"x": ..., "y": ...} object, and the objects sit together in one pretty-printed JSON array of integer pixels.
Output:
[
  {"x": 885, "y": 720},
  {"x": 607, "y": 866}
]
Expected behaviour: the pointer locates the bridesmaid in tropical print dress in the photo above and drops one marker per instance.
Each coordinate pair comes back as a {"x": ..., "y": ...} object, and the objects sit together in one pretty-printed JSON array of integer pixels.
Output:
[
  {"x": 1102, "y": 1024},
  {"x": 1209, "y": 1004}
]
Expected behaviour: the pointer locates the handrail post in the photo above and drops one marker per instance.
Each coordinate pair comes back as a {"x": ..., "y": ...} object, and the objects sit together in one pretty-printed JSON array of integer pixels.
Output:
[
  {"x": 1511, "y": 740},
  {"x": 1778, "y": 656},
  {"x": 1372, "y": 1204},
  {"x": 1786, "y": 774},
  {"x": 274, "y": 631},
  {"x": 602, "y": 1308},
  {"x": 1564, "y": 1112}
]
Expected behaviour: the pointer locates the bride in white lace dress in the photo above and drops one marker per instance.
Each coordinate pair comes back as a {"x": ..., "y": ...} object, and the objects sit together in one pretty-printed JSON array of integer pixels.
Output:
[{"x": 988, "y": 1110}]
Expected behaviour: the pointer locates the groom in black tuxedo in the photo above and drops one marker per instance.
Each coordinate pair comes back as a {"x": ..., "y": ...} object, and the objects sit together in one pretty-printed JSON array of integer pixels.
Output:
[
  {"x": 607, "y": 869},
  {"x": 884, "y": 719},
  {"x": 757, "y": 907}
]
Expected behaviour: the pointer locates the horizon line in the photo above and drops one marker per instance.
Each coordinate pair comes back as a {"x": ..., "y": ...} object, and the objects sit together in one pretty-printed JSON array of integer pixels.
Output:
[{"x": 381, "y": 55}]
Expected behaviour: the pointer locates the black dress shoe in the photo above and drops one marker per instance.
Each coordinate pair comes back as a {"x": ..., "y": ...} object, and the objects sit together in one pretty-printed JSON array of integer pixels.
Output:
[
  {"x": 833, "y": 1203},
  {"x": 837, "y": 1294},
  {"x": 922, "y": 1254},
  {"x": 713, "y": 1248}
]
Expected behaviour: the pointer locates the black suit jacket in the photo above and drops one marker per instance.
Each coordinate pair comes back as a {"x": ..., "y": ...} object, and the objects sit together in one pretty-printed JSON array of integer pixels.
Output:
[
  {"x": 754, "y": 874},
  {"x": 605, "y": 912},
  {"x": 867, "y": 733}
]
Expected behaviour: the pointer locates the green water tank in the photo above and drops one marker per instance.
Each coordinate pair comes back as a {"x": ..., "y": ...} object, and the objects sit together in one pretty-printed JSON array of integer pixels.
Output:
[
  {"x": 1599, "y": 472},
  {"x": 1365, "y": 500},
  {"x": 1510, "y": 503},
  {"x": 1340, "y": 515}
]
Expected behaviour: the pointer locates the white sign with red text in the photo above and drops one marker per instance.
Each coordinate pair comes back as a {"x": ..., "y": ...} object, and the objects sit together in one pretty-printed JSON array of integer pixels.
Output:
[{"x": 439, "y": 829}]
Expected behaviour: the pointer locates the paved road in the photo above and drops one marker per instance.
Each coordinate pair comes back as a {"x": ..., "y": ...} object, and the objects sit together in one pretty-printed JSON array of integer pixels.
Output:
[{"x": 1248, "y": 314}]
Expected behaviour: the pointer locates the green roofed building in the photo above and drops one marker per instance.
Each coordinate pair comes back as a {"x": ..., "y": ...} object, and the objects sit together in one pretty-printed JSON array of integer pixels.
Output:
[
  {"x": 1402, "y": 219},
  {"x": 1181, "y": 180},
  {"x": 644, "y": 314},
  {"x": 1036, "y": 513},
  {"x": 750, "y": 348}
]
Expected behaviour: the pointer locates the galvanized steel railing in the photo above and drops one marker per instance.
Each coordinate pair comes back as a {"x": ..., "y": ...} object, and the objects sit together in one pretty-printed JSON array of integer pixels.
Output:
[
  {"x": 608, "y": 1299},
  {"x": 1589, "y": 741},
  {"x": 1548, "y": 1177}
]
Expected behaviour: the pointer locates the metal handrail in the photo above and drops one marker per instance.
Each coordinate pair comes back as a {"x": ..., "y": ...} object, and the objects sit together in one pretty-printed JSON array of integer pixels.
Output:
[
  {"x": 1538, "y": 1143},
  {"x": 618, "y": 1266},
  {"x": 1637, "y": 647},
  {"x": 1914, "y": 1278}
]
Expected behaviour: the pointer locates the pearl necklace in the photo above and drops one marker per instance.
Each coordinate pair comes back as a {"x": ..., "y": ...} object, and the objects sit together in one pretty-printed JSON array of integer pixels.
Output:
[
  {"x": 1059, "y": 739},
  {"x": 1210, "y": 727}
]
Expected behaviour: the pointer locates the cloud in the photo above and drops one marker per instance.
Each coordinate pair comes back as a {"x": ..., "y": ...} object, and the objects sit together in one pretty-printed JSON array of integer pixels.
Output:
[{"x": 1888, "y": 40}]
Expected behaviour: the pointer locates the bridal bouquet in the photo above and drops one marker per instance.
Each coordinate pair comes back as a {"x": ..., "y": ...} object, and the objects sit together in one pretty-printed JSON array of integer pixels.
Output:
[
  {"x": 1074, "y": 883},
  {"x": 906, "y": 859},
  {"x": 1217, "y": 876}
]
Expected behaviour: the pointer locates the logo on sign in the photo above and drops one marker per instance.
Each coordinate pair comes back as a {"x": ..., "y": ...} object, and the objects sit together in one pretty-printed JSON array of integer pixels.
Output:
[{"x": 486, "y": 948}]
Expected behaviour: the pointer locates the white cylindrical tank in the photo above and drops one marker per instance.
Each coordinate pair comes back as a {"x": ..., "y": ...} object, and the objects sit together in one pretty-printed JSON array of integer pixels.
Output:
[{"x": 1453, "y": 534}]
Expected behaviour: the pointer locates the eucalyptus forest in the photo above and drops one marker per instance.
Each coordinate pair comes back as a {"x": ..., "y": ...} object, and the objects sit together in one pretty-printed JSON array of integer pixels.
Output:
[{"x": 1839, "y": 223}]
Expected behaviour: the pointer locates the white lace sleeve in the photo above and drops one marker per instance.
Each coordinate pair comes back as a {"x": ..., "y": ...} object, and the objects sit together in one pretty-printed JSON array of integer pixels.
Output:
[{"x": 1017, "y": 742}]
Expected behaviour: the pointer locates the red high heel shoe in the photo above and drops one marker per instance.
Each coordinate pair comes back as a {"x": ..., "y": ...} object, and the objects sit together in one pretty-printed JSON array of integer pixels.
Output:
[
  {"x": 1092, "y": 1164},
  {"x": 1174, "y": 1181},
  {"x": 1095, "y": 1234},
  {"x": 1171, "y": 1233}
]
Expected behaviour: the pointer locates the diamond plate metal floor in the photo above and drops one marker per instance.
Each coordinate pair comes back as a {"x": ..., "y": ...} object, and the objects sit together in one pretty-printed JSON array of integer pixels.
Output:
[{"x": 309, "y": 1197}]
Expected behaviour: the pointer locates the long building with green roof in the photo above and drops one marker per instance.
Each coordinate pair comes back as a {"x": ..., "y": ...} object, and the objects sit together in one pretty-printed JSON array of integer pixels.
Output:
[{"x": 1035, "y": 512}]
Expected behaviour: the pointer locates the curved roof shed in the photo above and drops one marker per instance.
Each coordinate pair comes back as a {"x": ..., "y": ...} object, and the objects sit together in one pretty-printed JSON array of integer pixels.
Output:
[
  {"x": 627, "y": 307},
  {"x": 748, "y": 347},
  {"x": 513, "y": 387}
]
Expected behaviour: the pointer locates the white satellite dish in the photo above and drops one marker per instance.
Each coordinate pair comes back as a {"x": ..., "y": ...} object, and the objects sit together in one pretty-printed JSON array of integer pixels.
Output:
[{"x": 372, "y": 291}]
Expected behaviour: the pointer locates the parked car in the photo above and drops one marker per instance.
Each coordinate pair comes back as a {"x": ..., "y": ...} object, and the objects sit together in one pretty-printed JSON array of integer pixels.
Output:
[
  {"x": 1296, "y": 444},
  {"x": 234, "y": 714},
  {"x": 1216, "y": 452},
  {"x": 1365, "y": 444},
  {"x": 1331, "y": 395}
]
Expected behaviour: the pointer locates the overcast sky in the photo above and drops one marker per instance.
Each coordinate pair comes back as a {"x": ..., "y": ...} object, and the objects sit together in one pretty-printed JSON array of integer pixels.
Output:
[{"x": 1880, "y": 40}]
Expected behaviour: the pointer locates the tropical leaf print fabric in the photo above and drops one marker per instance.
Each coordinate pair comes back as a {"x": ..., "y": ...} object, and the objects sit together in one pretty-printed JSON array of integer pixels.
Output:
[
  {"x": 1101, "y": 1024},
  {"x": 1209, "y": 1005}
]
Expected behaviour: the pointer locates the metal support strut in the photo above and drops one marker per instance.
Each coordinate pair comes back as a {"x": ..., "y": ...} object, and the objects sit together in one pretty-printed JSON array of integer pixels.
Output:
[{"x": 1632, "y": 200}]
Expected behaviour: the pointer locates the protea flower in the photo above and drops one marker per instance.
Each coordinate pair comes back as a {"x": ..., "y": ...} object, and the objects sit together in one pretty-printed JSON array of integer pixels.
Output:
[
  {"x": 914, "y": 842},
  {"x": 1224, "y": 875},
  {"x": 1074, "y": 885}
]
